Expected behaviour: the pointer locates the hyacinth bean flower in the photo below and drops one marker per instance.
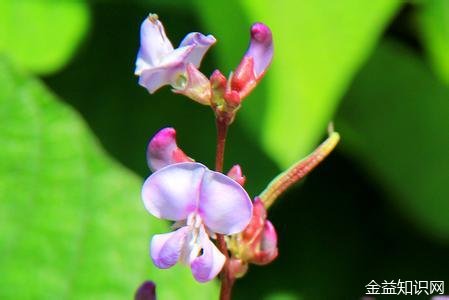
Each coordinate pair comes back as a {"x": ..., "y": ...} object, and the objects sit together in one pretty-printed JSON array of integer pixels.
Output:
[
  {"x": 159, "y": 64},
  {"x": 202, "y": 202}
]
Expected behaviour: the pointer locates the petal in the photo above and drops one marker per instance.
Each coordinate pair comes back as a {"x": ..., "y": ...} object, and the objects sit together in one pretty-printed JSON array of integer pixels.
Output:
[
  {"x": 224, "y": 205},
  {"x": 154, "y": 78},
  {"x": 260, "y": 48},
  {"x": 163, "y": 150},
  {"x": 166, "y": 248},
  {"x": 173, "y": 192},
  {"x": 201, "y": 44},
  {"x": 154, "y": 44},
  {"x": 206, "y": 266},
  {"x": 167, "y": 72}
]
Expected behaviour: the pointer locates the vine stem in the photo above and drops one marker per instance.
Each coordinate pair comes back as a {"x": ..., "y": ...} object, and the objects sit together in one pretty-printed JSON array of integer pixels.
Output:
[{"x": 227, "y": 280}]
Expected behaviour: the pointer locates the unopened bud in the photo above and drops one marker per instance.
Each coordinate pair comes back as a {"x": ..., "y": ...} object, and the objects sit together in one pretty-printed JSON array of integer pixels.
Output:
[
  {"x": 243, "y": 79},
  {"x": 163, "y": 150},
  {"x": 257, "y": 244},
  {"x": 236, "y": 174}
]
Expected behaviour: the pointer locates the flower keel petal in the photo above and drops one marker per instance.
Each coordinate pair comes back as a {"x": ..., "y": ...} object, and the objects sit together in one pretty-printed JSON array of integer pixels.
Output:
[{"x": 206, "y": 266}]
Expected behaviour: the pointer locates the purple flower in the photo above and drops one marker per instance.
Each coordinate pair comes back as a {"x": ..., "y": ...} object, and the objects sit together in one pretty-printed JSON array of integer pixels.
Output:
[
  {"x": 202, "y": 202},
  {"x": 159, "y": 64}
]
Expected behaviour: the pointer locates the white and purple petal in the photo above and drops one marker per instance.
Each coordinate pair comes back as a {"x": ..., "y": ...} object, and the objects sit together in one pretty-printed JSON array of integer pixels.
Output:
[
  {"x": 166, "y": 248},
  {"x": 172, "y": 192},
  {"x": 224, "y": 205},
  {"x": 167, "y": 72}
]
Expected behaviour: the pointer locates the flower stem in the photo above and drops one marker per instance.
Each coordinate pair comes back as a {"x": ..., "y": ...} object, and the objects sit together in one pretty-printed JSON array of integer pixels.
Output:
[
  {"x": 298, "y": 170},
  {"x": 227, "y": 280},
  {"x": 222, "y": 131}
]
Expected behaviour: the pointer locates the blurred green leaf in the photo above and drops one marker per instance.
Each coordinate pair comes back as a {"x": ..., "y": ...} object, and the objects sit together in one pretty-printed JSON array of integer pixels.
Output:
[
  {"x": 319, "y": 45},
  {"x": 42, "y": 35},
  {"x": 395, "y": 120},
  {"x": 71, "y": 220},
  {"x": 434, "y": 21}
]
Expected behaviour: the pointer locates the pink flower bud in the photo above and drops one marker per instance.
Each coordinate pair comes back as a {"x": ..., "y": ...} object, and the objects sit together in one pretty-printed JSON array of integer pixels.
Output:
[
  {"x": 255, "y": 62},
  {"x": 236, "y": 174},
  {"x": 268, "y": 250},
  {"x": 244, "y": 79},
  {"x": 218, "y": 86},
  {"x": 257, "y": 244},
  {"x": 218, "y": 80},
  {"x": 163, "y": 150},
  {"x": 232, "y": 99},
  {"x": 237, "y": 267}
]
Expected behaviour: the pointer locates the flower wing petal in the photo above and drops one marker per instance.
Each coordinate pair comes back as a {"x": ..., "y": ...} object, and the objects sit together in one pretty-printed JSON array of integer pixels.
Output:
[
  {"x": 166, "y": 248},
  {"x": 167, "y": 72},
  {"x": 224, "y": 205},
  {"x": 201, "y": 44},
  {"x": 173, "y": 191},
  {"x": 154, "y": 78},
  {"x": 206, "y": 266}
]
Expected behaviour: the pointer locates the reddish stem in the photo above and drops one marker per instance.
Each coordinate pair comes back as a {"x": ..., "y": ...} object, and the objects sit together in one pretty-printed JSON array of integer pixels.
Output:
[
  {"x": 227, "y": 280},
  {"x": 222, "y": 131}
]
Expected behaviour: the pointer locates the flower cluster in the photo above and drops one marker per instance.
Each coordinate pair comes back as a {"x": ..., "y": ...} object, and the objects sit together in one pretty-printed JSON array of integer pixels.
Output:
[
  {"x": 159, "y": 64},
  {"x": 208, "y": 205}
]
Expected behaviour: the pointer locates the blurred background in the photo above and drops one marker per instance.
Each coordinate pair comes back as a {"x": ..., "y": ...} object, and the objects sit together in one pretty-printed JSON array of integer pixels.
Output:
[{"x": 74, "y": 125}]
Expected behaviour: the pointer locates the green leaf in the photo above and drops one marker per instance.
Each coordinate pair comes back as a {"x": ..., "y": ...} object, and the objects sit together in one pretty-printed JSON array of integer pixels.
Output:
[
  {"x": 42, "y": 35},
  {"x": 395, "y": 120},
  {"x": 319, "y": 45},
  {"x": 434, "y": 21},
  {"x": 72, "y": 225}
]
